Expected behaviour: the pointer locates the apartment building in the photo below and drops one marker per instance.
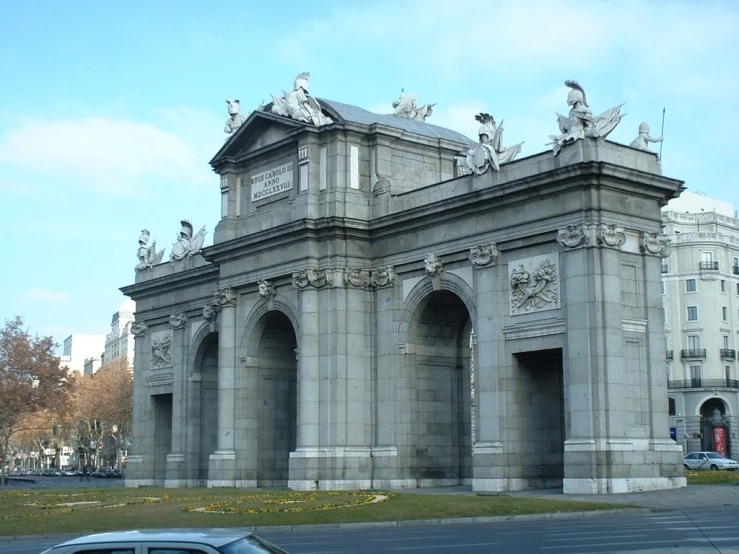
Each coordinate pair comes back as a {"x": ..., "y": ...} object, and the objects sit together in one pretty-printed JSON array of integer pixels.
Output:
[{"x": 700, "y": 284}]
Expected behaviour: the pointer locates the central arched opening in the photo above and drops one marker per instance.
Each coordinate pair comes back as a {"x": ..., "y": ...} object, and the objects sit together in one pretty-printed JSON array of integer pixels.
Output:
[
  {"x": 206, "y": 364},
  {"x": 440, "y": 331},
  {"x": 276, "y": 368}
]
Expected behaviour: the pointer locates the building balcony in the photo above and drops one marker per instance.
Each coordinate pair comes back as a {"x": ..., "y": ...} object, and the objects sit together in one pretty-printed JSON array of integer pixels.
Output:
[
  {"x": 704, "y": 384},
  {"x": 693, "y": 353},
  {"x": 708, "y": 266},
  {"x": 664, "y": 268},
  {"x": 728, "y": 354},
  {"x": 735, "y": 270},
  {"x": 669, "y": 355}
]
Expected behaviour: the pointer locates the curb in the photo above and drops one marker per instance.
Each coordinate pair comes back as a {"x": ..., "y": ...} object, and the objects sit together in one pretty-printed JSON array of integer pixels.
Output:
[{"x": 384, "y": 524}]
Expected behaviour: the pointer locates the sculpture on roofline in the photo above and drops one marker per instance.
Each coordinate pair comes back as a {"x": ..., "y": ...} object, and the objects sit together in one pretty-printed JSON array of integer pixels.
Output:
[
  {"x": 581, "y": 123},
  {"x": 236, "y": 118},
  {"x": 405, "y": 106},
  {"x": 299, "y": 104},
  {"x": 489, "y": 152},
  {"x": 148, "y": 255},
  {"x": 187, "y": 244},
  {"x": 643, "y": 139}
]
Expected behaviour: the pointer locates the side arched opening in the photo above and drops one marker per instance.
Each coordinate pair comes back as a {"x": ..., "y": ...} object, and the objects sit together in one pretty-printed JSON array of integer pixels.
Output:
[
  {"x": 274, "y": 343},
  {"x": 206, "y": 399},
  {"x": 441, "y": 437}
]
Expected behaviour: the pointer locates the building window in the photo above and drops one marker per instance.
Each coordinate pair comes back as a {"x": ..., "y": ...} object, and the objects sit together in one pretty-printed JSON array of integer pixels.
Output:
[
  {"x": 671, "y": 404},
  {"x": 664, "y": 315},
  {"x": 723, "y": 286},
  {"x": 692, "y": 313},
  {"x": 694, "y": 342},
  {"x": 727, "y": 372},
  {"x": 690, "y": 285},
  {"x": 695, "y": 375},
  {"x": 663, "y": 288},
  {"x": 726, "y": 342},
  {"x": 724, "y": 313}
]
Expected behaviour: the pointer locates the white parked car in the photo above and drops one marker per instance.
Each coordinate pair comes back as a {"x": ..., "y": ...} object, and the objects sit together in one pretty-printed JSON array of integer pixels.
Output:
[
  {"x": 709, "y": 460},
  {"x": 169, "y": 541}
]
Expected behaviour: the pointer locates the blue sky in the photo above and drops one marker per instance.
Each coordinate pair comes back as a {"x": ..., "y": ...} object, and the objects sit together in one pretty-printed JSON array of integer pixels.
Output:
[{"x": 110, "y": 111}]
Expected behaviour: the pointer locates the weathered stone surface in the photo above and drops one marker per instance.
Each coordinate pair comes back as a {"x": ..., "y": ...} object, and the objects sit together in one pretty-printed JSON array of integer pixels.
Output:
[{"x": 358, "y": 370}]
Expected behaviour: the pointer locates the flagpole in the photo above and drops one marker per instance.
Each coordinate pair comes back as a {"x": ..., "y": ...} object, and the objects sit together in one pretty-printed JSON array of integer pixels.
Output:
[{"x": 662, "y": 135}]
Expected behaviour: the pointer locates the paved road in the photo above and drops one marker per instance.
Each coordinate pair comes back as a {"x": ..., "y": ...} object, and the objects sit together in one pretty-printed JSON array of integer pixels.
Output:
[
  {"x": 671, "y": 531},
  {"x": 695, "y": 519}
]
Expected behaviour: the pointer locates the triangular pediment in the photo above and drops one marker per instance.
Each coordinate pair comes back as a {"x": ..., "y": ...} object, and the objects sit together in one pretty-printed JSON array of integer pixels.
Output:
[{"x": 259, "y": 131}]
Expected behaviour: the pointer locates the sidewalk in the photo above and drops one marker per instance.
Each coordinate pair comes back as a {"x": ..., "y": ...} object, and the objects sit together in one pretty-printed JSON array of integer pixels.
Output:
[{"x": 690, "y": 497}]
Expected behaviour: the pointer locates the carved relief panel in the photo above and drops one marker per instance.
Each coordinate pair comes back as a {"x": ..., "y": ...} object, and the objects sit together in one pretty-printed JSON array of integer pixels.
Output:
[
  {"x": 161, "y": 349},
  {"x": 534, "y": 284}
]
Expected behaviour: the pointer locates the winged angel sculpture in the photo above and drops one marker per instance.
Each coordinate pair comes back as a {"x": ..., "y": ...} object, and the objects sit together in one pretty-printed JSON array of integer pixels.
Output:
[
  {"x": 490, "y": 152},
  {"x": 187, "y": 244},
  {"x": 581, "y": 123}
]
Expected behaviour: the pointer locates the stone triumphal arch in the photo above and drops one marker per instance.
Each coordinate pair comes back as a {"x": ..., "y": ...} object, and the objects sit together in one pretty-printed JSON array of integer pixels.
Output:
[{"x": 389, "y": 304}]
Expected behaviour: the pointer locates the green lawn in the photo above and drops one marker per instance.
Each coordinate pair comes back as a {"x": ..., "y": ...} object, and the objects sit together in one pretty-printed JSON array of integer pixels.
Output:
[
  {"x": 712, "y": 477},
  {"x": 24, "y": 512}
]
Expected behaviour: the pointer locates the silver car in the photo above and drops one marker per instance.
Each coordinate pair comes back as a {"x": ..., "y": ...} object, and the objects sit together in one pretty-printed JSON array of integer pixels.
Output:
[
  {"x": 169, "y": 541},
  {"x": 709, "y": 460}
]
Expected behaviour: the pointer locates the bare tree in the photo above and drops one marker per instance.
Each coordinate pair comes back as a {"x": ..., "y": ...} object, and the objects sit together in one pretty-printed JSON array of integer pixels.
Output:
[
  {"x": 104, "y": 407},
  {"x": 31, "y": 381}
]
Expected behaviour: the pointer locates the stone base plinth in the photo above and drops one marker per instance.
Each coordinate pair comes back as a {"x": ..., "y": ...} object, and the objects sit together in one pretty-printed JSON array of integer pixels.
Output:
[
  {"x": 133, "y": 483},
  {"x": 616, "y": 486},
  {"x": 515, "y": 484},
  {"x": 222, "y": 469},
  {"x": 182, "y": 483},
  {"x": 632, "y": 465},
  {"x": 335, "y": 468},
  {"x": 182, "y": 472}
]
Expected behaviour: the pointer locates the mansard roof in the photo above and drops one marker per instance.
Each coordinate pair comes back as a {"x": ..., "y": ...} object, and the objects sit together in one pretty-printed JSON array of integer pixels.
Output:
[
  {"x": 354, "y": 114},
  {"x": 340, "y": 113}
]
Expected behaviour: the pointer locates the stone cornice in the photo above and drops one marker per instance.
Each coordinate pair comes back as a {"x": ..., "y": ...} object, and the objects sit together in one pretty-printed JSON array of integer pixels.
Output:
[
  {"x": 296, "y": 232},
  {"x": 498, "y": 195},
  {"x": 175, "y": 281}
]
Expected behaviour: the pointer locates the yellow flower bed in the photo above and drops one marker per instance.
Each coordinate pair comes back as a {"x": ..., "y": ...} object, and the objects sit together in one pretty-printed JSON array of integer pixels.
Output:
[
  {"x": 250, "y": 503},
  {"x": 290, "y": 503}
]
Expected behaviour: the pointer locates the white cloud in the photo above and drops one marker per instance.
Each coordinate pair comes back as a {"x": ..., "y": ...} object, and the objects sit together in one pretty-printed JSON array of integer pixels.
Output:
[
  {"x": 517, "y": 41},
  {"x": 460, "y": 117},
  {"x": 111, "y": 155},
  {"x": 45, "y": 295}
]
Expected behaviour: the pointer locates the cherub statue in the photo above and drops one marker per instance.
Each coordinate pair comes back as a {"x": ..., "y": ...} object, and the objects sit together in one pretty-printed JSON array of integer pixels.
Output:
[
  {"x": 148, "y": 255},
  {"x": 187, "y": 244},
  {"x": 405, "y": 106},
  {"x": 642, "y": 141},
  {"x": 581, "y": 123},
  {"x": 299, "y": 104},
  {"x": 490, "y": 151},
  {"x": 236, "y": 118}
]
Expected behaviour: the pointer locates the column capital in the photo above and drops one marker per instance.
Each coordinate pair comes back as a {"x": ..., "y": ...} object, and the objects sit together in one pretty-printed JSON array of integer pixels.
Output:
[
  {"x": 225, "y": 298},
  {"x": 178, "y": 321}
]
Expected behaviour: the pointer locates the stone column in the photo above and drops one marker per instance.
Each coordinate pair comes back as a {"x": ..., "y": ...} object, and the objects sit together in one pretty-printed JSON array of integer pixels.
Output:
[
  {"x": 222, "y": 470},
  {"x": 140, "y": 467},
  {"x": 303, "y": 462},
  {"x": 176, "y": 458},
  {"x": 230, "y": 198},
  {"x": 491, "y": 300},
  {"x": 667, "y": 453}
]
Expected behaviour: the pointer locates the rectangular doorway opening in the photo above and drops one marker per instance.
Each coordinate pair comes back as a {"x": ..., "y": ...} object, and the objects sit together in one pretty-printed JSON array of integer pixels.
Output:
[{"x": 538, "y": 417}]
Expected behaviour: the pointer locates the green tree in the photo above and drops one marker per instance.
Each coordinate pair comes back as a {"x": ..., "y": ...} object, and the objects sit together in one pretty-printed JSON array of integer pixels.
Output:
[{"x": 32, "y": 381}]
